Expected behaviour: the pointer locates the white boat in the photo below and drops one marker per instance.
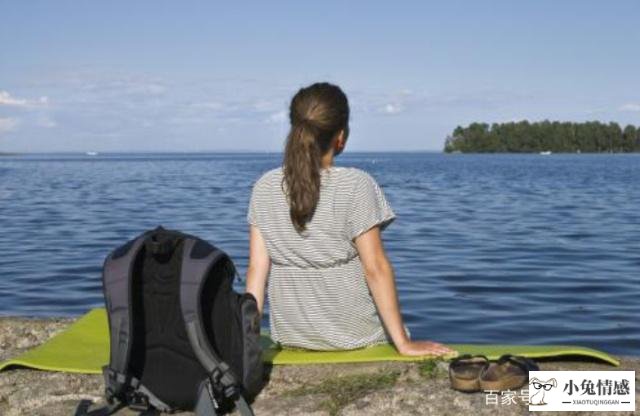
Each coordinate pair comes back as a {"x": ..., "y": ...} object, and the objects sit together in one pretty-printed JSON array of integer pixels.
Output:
[
  {"x": 546, "y": 153},
  {"x": 92, "y": 153}
]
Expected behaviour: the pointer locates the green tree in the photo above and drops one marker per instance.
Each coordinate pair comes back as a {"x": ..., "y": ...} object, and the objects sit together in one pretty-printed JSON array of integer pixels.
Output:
[
  {"x": 522, "y": 136},
  {"x": 629, "y": 137}
]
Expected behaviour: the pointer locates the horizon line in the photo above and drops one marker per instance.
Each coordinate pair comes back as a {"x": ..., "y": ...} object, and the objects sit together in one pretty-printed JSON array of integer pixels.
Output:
[{"x": 114, "y": 152}]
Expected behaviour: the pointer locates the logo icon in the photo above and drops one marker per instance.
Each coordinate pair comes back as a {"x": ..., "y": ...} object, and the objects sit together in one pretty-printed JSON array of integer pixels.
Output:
[
  {"x": 537, "y": 398},
  {"x": 589, "y": 390}
]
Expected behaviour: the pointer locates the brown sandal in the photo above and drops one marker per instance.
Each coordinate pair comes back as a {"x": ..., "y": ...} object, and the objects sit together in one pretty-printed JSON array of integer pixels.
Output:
[
  {"x": 510, "y": 372},
  {"x": 464, "y": 372}
]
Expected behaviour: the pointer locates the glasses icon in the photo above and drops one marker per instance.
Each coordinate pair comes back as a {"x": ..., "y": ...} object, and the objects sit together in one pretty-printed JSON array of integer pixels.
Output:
[{"x": 538, "y": 386}]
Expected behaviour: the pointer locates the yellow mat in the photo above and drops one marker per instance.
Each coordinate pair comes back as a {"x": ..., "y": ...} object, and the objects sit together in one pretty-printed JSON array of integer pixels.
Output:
[{"x": 84, "y": 348}]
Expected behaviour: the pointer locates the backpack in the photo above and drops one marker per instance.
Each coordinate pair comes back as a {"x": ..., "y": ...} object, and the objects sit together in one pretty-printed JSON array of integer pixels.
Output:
[{"x": 181, "y": 338}]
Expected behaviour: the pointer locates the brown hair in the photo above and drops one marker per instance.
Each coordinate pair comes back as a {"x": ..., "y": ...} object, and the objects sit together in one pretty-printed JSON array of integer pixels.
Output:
[{"x": 317, "y": 113}]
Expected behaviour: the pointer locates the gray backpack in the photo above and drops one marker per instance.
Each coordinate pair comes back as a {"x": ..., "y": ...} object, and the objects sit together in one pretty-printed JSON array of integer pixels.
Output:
[{"x": 181, "y": 338}]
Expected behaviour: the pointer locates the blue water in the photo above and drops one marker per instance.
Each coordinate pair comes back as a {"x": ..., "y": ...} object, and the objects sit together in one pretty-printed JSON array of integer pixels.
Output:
[{"x": 486, "y": 248}]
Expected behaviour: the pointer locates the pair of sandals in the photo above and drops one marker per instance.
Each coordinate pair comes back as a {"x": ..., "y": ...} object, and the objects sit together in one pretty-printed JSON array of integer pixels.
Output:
[{"x": 472, "y": 373}]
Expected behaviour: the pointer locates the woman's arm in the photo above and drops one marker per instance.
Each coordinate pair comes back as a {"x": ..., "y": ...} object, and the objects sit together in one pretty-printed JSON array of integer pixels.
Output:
[
  {"x": 381, "y": 281},
  {"x": 259, "y": 266}
]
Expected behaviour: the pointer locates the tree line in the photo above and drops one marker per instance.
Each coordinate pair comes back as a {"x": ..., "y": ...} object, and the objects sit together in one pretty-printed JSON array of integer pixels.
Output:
[{"x": 544, "y": 136}]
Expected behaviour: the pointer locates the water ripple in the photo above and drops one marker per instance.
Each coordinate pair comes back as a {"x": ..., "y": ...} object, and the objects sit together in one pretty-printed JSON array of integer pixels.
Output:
[{"x": 486, "y": 248}]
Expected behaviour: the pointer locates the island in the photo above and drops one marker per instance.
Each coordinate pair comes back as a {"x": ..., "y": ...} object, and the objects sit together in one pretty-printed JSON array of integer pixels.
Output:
[{"x": 544, "y": 137}]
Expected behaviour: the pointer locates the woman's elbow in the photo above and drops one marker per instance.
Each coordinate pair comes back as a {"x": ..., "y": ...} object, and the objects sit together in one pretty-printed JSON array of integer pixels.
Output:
[{"x": 377, "y": 270}]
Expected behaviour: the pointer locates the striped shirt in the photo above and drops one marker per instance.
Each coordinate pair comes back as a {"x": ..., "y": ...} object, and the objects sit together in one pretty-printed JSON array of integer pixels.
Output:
[{"x": 317, "y": 292}]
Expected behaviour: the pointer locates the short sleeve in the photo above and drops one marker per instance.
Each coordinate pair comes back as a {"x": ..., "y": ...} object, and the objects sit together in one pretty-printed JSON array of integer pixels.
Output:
[
  {"x": 369, "y": 207},
  {"x": 252, "y": 211}
]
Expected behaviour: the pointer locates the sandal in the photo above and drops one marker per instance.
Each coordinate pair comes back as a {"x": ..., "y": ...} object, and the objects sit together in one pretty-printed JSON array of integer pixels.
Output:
[
  {"x": 508, "y": 373},
  {"x": 465, "y": 370}
]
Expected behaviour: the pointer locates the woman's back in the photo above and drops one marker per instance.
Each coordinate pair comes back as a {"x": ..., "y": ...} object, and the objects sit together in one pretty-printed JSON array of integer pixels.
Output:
[
  {"x": 317, "y": 290},
  {"x": 315, "y": 229}
]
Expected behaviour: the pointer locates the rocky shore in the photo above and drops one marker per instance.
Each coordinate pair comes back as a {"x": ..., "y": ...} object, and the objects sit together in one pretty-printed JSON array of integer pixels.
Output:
[{"x": 391, "y": 388}]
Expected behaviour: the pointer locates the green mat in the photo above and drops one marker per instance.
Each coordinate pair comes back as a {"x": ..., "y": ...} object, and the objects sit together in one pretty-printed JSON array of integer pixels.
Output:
[{"x": 84, "y": 348}]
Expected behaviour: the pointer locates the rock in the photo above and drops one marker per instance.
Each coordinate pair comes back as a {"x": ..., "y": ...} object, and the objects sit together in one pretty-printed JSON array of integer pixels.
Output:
[{"x": 292, "y": 390}]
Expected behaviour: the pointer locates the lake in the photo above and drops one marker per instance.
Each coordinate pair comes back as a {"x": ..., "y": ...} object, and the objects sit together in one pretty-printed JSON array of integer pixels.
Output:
[{"x": 486, "y": 248}]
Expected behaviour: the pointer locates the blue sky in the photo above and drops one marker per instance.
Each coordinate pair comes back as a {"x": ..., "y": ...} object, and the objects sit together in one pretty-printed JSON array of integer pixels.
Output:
[{"x": 203, "y": 76}]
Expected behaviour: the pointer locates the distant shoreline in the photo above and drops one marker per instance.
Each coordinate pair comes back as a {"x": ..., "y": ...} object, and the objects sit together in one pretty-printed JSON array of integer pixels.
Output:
[
  {"x": 544, "y": 137},
  {"x": 497, "y": 153}
]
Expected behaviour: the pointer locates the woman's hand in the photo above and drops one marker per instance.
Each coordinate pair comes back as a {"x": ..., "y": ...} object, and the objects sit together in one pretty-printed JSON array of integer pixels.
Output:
[{"x": 414, "y": 348}]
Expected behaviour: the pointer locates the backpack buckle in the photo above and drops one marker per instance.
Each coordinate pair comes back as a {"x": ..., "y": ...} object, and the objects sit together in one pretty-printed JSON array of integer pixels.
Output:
[
  {"x": 138, "y": 401},
  {"x": 223, "y": 382},
  {"x": 216, "y": 375},
  {"x": 230, "y": 392},
  {"x": 114, "y": 383},
  {"x": 213, "y": 393}
]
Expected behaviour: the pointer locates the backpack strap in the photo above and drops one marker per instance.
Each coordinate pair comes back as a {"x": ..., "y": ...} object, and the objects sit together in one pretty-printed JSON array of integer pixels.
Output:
[
  {"x": 136, "y": 397},
  {"x": 116, "y": 277},
  {"x": 221, "y": 383},
  {"x": 121, "y": 388}
]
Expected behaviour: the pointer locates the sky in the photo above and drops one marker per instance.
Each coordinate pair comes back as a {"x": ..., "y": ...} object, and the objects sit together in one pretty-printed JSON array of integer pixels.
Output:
[{"x": 123, "y": 76}]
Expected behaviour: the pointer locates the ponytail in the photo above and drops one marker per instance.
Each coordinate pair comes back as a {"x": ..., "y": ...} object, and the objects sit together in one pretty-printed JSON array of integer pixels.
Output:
[
  {"x": 302, "y": 171},
  {"x": 317, "y": 114}
]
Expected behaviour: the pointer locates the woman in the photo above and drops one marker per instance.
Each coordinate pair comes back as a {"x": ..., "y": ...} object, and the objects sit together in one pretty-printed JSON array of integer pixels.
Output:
[{"x": 315, "y": 234}]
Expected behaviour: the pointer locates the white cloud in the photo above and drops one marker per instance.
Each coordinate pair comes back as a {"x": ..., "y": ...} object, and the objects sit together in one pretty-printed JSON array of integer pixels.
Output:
[
  {"x": 385, "y": 102},
  {"x": 392, "y": 108},
  {"x": 634, "y": 107},
  {"x": 117, "y": 84},
  {"x": 7, "y": 124},
  {"x": 264, "y": 105},
  {"x": 277, "y": 117},
  {"x": 7, "y": 99},
  {"x": 409, "y": 101}
]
